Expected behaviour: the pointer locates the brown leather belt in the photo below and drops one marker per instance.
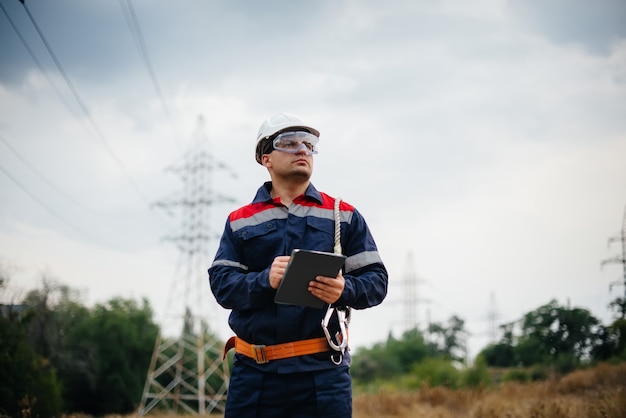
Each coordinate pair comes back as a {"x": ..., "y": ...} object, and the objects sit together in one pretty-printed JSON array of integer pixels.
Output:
[{"x": 266, "y": 353}]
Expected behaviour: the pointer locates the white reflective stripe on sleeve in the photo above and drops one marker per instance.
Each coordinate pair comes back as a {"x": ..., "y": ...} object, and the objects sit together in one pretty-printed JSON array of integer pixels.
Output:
[
  {"x": 229, "y": 263},
  {"x": 361, "y": 260}
]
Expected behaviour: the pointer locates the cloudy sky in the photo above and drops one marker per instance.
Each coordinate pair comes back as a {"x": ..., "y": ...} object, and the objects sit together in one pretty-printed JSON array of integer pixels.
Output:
[{"x": 484, "y": 141}]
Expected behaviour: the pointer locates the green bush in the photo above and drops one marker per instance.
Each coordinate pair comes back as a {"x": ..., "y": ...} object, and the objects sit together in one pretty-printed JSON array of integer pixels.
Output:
[
  {"x": 436, "y": 372},
  {"x": 516, "y": 375},
  {"x": 477, "y": 375},
  {"x": 538, "y": 373},
  {"x": 566, "y": 363}
]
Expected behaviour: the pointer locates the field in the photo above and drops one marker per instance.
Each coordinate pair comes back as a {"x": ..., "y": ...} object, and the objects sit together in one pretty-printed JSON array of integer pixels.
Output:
[
  {"x": 592, "y": 393},
  {"x": 598, "y": 392}
]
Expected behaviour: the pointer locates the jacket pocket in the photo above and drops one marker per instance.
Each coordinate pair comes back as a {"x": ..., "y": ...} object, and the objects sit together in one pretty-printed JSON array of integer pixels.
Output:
[
  {"x": 320, "y": 234},
  {"x": 256, "y": 231}
]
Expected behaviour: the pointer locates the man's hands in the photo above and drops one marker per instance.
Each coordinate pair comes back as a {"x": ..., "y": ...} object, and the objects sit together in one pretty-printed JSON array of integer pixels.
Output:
[
  {"x": 328, "y": 289},
  {"x": 277, "y": 270}
]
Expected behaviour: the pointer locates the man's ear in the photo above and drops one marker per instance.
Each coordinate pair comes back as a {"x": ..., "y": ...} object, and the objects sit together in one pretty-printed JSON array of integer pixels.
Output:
[{"x": 266, "y": 160}]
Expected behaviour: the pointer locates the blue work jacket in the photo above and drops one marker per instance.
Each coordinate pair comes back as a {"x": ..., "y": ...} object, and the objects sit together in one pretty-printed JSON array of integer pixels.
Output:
[{"x": 257, "y": 233}]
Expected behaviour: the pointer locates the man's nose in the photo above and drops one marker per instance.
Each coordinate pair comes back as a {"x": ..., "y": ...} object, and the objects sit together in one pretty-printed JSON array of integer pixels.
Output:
[{"x": 302, "y": 149}]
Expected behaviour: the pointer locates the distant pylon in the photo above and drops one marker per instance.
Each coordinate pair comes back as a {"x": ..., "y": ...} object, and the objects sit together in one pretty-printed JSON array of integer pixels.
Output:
[
  {"x": 617, "y": 259},
  {"x": 186, "y": 372},
  {"x": 411, "y": 295},
  {"x": 493, "y": 316}
]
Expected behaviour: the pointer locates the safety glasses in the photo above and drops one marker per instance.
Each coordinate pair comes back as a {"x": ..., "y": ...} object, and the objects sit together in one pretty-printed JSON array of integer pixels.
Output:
[{"x": 293, "y": 142}]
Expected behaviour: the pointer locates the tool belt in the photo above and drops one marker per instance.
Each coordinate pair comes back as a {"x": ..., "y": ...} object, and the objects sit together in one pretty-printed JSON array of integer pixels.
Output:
[{"x": 265, "y": 353}]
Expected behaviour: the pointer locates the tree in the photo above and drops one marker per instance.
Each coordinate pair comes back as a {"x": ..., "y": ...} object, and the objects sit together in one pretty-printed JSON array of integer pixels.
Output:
[
  {"x": 369, "y": 364},
  {"x": 449, "y": 341},
  {"x": 619, "y": 307},
  {"x": 56, "y": 309},
  {"x": 101, "y": 355},
  {"x": 561, "y": 336},
  {"x": 556, "y": 331},
  {"x": 614, "y": 342},
  {"x": 410, "y": 349},
  {"x": 401, "y": 356},
  {"x": 113, "y": 345},
  {"x": 501, "y": 354},
  {"x": 498, "y": 355},
  {"x": 26, "y": 379}
]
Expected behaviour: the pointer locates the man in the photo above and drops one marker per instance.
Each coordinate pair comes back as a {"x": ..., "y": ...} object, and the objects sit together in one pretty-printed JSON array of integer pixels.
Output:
[{"x": 284, "y": 366}]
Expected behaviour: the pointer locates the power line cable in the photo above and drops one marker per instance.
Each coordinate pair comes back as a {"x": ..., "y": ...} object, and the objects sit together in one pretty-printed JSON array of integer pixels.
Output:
[
  {"x": 50, "y": 184},
  {"x": 41, "y": 67},
  {"x": 52, "y": 211},
  {"x": 41, "y": 176},
  {"x": 34, "y": 57},
  {"x": 135, "y": 29},
  {"x": 61, "y": 97},
  {"x": 84, "y": 108}
]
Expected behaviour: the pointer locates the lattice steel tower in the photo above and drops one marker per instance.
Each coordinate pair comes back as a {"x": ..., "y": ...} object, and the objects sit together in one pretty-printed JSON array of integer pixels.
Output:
[
  {"x": 411, "y": 298},
  {"x": 410, "y": 295},
  {"x": 187, "y": 374},
  {"x": 619, "y": 259},
  {"x": 492, "y": 316}
]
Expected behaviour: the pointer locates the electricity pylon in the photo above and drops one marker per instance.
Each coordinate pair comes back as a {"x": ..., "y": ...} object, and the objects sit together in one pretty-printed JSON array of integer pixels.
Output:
[
  {"x": 186, "y": 372},
  {"x": 622, "y": 260},
  {"x": 411, "y": 299},
  {"x": 492, "y": 316}
]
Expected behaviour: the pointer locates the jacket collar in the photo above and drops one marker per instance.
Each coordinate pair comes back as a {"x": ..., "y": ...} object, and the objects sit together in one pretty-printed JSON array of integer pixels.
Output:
[{"x": 263, "y": 194}]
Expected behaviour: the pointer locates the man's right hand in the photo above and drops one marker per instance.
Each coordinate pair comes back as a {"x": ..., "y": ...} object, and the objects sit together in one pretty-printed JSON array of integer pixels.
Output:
[{"x": 277, "y": 270}]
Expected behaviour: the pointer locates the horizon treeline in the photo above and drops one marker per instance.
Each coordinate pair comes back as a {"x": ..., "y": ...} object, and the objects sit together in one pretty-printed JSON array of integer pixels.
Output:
[{"x": 58, "y": 356}]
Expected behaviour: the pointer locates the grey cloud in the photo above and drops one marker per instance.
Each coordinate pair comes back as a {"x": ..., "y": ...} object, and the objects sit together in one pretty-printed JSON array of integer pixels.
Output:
[
  {"x": 593, "y": 24},
  {"x": 93, "y": 41}
]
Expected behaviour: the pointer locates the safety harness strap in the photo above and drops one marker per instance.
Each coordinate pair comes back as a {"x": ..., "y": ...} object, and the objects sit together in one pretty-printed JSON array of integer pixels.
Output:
[{"x": 266, "y": 353}]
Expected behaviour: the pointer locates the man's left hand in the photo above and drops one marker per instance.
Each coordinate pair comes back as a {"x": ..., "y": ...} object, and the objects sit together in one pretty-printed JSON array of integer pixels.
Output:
[{"x": 328, "y": 289}]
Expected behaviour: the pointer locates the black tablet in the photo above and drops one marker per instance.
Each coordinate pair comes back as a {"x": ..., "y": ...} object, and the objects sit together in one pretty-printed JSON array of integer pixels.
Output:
[{"x": 303, "y": 267}]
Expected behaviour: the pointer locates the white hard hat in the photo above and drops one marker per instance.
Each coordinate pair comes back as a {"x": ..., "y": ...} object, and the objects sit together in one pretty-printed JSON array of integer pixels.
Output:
[{"x": 277, "y": 123}]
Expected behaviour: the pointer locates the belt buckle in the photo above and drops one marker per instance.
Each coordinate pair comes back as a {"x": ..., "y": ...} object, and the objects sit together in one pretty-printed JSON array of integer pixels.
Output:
[{"x": 258, "y": 354}]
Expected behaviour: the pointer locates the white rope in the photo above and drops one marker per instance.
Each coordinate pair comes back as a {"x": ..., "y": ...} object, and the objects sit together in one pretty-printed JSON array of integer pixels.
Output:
[
  {"x": 337, "y": 226},
  {"x": 340, "y": 343},
  {"x": 338, "y": 249}
]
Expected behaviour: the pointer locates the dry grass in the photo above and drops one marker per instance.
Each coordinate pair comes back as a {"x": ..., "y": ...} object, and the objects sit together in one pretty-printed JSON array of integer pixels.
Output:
[
  {"x": 594, "y": 393},
  {"x": 598, "y": 392}
]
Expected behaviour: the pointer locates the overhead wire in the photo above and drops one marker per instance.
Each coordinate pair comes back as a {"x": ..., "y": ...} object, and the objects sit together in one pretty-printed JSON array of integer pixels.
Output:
[
  {"x": 50, "y": 210},
  {"x": 46, "y": 74},
  {"x": 135, "y": 29},
  {"x": 35, "y": 59},
  {"x": 84, "y": 108},
  {"x": 41, "y": 176}
]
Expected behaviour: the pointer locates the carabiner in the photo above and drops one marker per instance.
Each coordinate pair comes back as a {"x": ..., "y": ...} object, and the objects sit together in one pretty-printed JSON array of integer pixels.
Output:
[{"x": 341, "y": 339}]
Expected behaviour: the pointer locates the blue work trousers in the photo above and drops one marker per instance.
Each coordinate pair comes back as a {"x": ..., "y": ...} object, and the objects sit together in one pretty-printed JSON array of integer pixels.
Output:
[{"x": 256, "y": 394}]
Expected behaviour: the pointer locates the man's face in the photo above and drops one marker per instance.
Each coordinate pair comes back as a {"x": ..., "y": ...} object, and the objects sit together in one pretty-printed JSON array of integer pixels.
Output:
[{"x": 288, "y": 165}]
